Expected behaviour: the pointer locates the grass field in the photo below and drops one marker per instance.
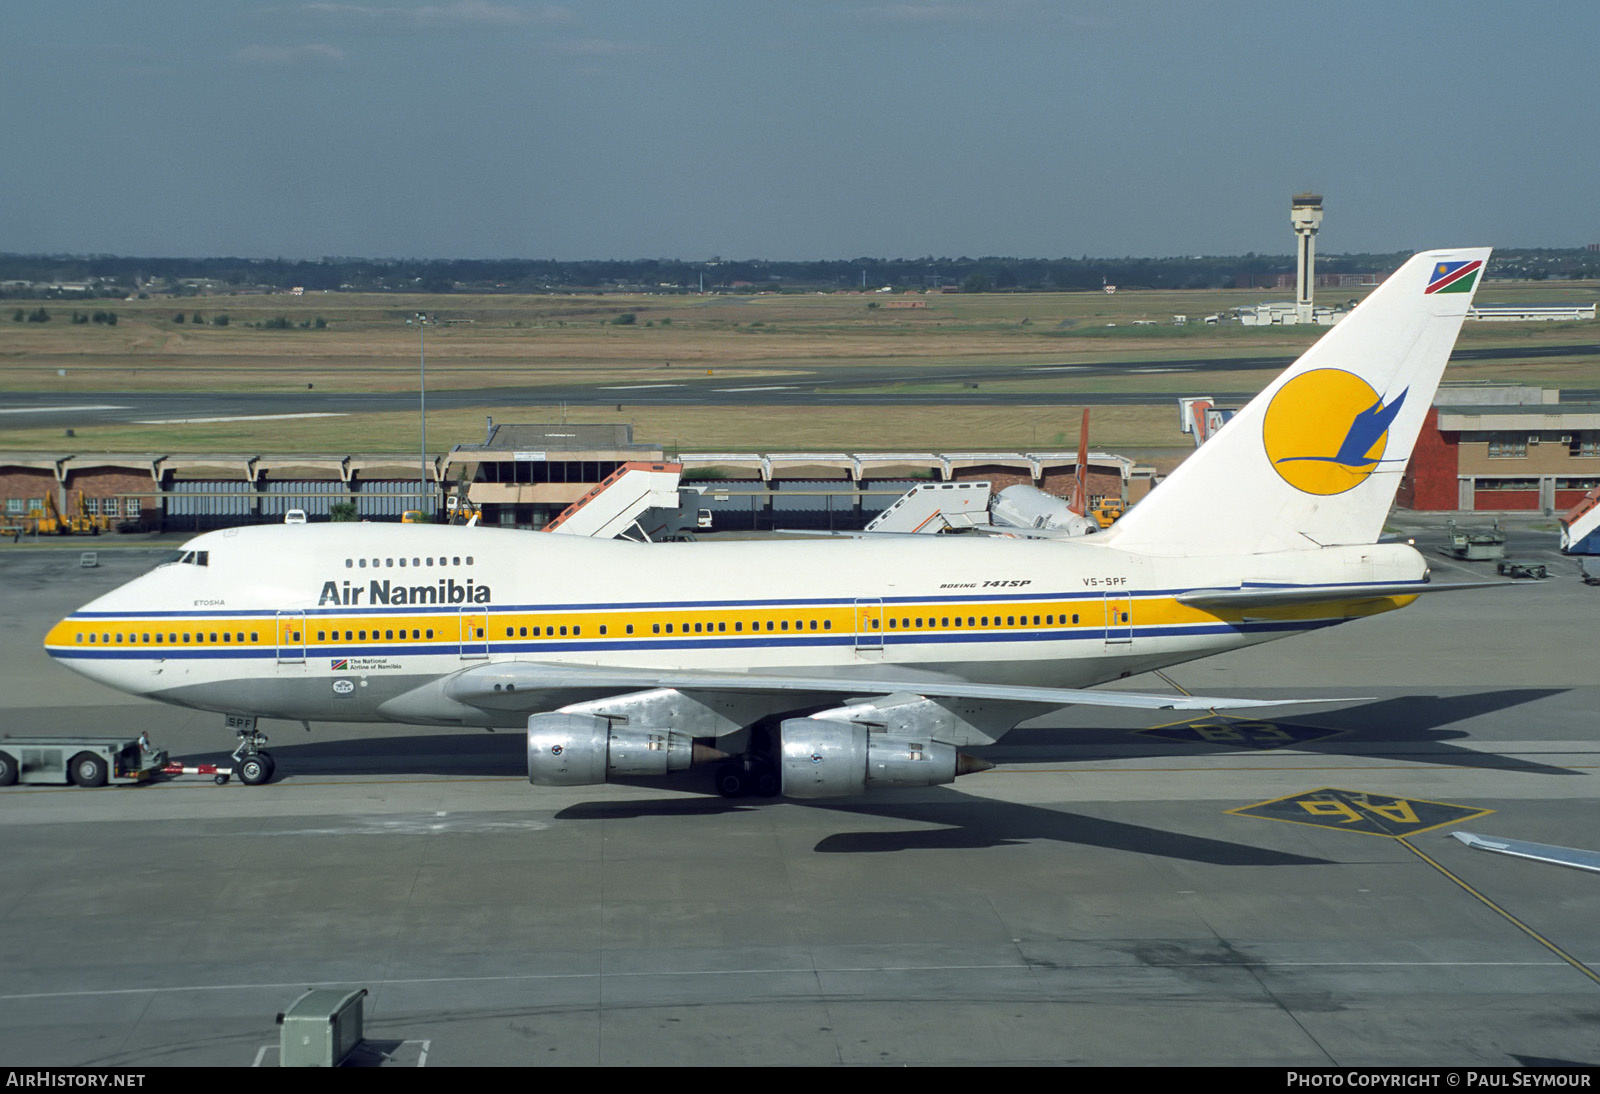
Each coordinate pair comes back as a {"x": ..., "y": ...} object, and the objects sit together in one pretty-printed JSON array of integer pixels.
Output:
[{"x": 529, "y": 342}]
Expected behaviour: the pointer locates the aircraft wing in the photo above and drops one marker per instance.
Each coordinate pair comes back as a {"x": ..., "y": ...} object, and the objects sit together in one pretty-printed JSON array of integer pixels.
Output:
[
  {"x": 1269, "y": 596},
  {"x": 489, "y": 685},
  {"x": 1574, "y": 857}
]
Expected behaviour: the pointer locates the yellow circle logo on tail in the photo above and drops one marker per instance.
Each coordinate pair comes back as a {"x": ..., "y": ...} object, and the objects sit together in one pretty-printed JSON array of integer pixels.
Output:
[{"x": 1325, "y": 430}]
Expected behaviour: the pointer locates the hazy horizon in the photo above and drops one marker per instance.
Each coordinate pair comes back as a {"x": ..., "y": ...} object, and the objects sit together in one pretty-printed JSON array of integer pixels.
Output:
[{"x": 483, "y": 129}]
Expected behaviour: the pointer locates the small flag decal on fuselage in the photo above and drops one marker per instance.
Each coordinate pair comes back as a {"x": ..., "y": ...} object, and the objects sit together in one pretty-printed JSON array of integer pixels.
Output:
[
  {"x": 1454, "y": 276},
  {"x": 341, "y": 663}
]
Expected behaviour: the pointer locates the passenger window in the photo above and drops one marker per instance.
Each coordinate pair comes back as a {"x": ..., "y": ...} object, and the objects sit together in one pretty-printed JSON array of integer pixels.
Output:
[
  {"x": 891, "y": 624},
  {"x": 158, "y": 639},
  {"x": 577, "y": 631},
  {"x": 402, "y": 564},
  {"x": 119, "y": 638},
  {"x": 630, "y": 628},
  {"x": 253, "y": 637},
  {"x": 416, "y": 634},
  {"x": 563, "y": 630},
  {"x": 508, "y": 632},
  {"x": 785, "y": 624},
  {"x": 456, "y": 561},
  {"x": 390, "y": 634},
  {"x": 1074, "y": 618},
  {"x": 430, "y": 632},
  {"x": 469, "y": 560},
  {"x": 602, "y": 628},
  {"x": 389, "y": 562},
  {"x": 655, "y": 628},
  {"x": 349, "y": 564},
  {"x": 363, "y": 635},
  {"x": 697, "y": 627},
  {"x": 226, "y": 637},
  {"x": 827, "y": 624},
  {"x": 363, "y": 564}
]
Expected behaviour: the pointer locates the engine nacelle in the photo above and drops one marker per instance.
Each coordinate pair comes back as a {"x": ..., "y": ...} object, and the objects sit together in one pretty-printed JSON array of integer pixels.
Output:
[
  {"x": 582, "y": 749},
  {"x": 828, "y": 759}
]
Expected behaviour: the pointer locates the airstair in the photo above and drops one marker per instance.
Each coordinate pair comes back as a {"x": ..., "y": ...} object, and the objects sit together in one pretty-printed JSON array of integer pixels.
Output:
[
  {"x": 612, "y": 507},
  {"x": 935, "y": 507},
  {"x": 1580, "y": 526}
]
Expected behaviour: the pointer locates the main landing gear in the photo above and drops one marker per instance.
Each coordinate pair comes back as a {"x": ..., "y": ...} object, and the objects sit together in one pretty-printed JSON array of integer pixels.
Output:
[
  {"x": 748, "y": 775},
  {"x": 252, "y": 763}
]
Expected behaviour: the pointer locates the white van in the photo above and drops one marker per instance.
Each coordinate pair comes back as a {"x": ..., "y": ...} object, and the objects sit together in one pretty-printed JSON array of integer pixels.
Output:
[{"x": 295, "y": 516}]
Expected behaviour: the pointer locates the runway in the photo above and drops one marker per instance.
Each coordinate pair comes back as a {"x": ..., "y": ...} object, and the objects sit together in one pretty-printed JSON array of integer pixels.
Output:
[
  {"x": 887, "y": 385},
  {"x": 1091, "y": 900}
]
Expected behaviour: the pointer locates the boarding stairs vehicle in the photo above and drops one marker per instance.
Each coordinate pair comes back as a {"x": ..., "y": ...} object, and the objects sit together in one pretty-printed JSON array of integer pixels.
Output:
[
  {"x": 1580, "y": 526},
  {"x": 615, "y": 505},
  {"x": 935, "y": 507}
]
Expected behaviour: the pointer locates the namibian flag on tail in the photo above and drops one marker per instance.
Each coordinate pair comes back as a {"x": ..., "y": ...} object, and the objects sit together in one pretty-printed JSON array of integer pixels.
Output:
[{"x": 1454, "y": 276}]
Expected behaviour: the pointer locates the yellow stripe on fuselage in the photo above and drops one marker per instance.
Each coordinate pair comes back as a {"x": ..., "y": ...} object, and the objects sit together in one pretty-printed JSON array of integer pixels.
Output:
[{"x": 489, "y": 624}]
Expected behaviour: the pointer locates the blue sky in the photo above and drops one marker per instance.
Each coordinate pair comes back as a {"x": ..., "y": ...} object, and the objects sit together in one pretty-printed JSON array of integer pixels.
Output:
[{"x": 818, "y": 129}]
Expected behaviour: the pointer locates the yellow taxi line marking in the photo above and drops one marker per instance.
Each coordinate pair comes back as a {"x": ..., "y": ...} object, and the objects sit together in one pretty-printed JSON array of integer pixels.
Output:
[{"x": 1513, "y": 920}]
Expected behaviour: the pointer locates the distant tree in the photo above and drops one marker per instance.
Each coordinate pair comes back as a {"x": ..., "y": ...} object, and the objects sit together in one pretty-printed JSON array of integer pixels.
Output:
[
  {"x": 976, "y": 283},
  {"x": 18, "y": 316},
  {"x": 197, "y": 319},
  {"x": 39, "y": 315},
  {"x": 626, "y": 319},
  {"x": 342, "y": 512},
  {"x": 178, "y": 318},
  {"x": 111, "y": 318},
  {"x": 321, "y": 323},
  {"x": 220, "y": 321}
]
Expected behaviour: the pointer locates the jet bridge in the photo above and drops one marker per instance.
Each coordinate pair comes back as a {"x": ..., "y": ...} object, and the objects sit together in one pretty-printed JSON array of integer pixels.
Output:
[{"x": 612, "y": 507}]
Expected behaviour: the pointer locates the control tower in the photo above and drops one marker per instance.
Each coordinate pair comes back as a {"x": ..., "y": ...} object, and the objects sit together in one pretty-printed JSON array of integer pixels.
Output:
[{"x": 1305, "y": 213}]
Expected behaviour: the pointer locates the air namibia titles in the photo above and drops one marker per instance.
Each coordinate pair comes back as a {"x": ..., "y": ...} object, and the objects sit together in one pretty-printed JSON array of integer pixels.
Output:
[{"x": 446, "y": 591}]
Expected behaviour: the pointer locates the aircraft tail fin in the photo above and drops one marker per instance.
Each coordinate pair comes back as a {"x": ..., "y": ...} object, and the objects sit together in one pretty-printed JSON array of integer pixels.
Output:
[
  {"x": 1080, "y": 474},
  {"x": 1315, "y": 459}
]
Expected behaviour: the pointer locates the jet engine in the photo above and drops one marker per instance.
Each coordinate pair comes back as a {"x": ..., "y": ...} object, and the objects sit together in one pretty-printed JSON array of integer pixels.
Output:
[
  {"x": 583, "y": 749},
  {"x": 829, "y": 759}
]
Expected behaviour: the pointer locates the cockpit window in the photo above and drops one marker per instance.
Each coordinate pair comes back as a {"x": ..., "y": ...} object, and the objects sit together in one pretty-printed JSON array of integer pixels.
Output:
[{"x": 187, "y": 558}]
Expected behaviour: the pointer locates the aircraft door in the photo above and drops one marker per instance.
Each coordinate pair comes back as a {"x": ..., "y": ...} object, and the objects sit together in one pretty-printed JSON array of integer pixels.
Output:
[
  {"x": 869, "y": 625},
  {"x": 291, "y": 638},
  {"x": 1119, "y": 620},
  {"x": 474, "y": 626}
]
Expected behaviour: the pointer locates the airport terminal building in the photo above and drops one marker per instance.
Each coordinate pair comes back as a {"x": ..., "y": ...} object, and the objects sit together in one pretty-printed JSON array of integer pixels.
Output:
[
  {"x": 524, "y": 476},
  {"x": 1495, "y": 447}
]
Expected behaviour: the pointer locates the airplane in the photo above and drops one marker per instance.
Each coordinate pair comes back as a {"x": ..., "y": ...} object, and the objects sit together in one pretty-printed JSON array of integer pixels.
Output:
[{"x": 815, "y": 668}]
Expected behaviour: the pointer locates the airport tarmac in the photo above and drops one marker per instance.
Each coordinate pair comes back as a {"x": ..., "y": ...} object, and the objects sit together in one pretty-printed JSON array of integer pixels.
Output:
[
  {"x": 796, "y": 382},
  {"x": 1091, "y": 900}
]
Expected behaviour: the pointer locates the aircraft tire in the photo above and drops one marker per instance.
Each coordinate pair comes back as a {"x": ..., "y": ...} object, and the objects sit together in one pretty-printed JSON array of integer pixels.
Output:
[
  {"x": 8, "y": 769},
  {"x": 731, "y": 783},
  {"x": 88, "y": 769},
  {"x": 272, "y": 765},
  {"x": 252, "y": 771},
  {"x": 764, "y": 781}
]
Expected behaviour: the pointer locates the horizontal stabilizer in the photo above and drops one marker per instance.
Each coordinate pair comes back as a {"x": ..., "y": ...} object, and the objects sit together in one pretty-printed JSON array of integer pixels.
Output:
[
  {"x": 489, "y": 683},
  {"x": 1279, "y": 595},
  {"x": 1574, "y": 857}
]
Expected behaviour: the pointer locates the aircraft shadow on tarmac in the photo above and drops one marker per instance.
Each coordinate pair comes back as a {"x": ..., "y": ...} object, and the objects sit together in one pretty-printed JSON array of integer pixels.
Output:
[
  {"x": 1370, "y": 730},
  {"x": 966, "y": 823}
]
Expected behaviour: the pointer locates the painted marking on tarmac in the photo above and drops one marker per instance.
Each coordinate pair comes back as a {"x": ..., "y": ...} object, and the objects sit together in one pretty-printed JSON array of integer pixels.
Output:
[
  {"x": 1358, "y": 811},
  {"x": 769, "y": 387},
  {"x": 51, "y": 409},
  {"x": 637, "y": 387},
  {"x": 237, "y": 418},
  {"x": 1241, "y": 734}
]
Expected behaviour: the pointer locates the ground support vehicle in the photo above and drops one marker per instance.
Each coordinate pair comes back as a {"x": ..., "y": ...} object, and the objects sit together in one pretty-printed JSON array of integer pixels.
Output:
[{"x": 86, "y": 761}]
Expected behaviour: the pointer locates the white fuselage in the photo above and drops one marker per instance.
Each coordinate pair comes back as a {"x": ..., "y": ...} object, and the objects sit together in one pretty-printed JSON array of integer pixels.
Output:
[{"x": 343, "y": 622}]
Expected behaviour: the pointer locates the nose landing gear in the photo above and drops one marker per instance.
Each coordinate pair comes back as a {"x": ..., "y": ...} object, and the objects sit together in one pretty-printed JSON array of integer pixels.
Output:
[{"x": 252, "y": 763}]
